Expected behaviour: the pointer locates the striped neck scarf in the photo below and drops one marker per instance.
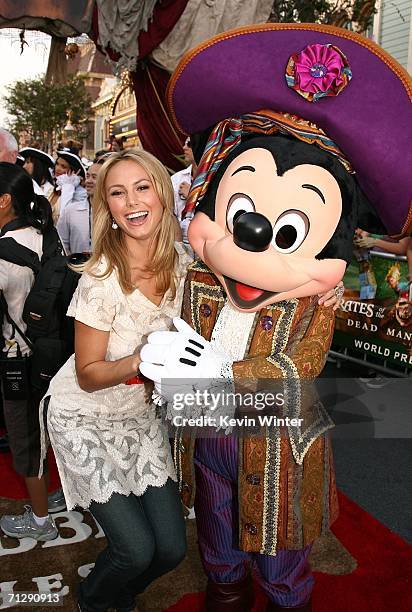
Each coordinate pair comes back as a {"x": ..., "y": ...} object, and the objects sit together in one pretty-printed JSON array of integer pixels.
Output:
[{"x": 227, "y": 135}]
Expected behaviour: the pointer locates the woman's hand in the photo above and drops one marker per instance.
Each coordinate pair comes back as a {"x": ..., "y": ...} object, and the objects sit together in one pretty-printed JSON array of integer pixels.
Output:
[
  {"x": 184, "y": 189},
  {"x": 368, "y": 242},
  {"x": 333, "y": 297},
  {"x": 360, "y": 233},
  {"x": 136, "y": 360}
]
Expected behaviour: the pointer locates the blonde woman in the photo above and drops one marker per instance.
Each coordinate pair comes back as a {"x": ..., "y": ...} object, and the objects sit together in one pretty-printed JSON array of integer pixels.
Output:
[{"x": 112, "y": 452}]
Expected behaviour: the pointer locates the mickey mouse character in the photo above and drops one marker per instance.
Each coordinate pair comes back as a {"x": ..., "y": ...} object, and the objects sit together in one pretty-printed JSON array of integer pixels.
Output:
[{"x": 297, "y": 153}]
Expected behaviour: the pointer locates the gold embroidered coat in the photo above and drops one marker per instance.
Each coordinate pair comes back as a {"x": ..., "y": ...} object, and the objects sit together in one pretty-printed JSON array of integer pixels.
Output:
[{"x": 287, "y": 491}]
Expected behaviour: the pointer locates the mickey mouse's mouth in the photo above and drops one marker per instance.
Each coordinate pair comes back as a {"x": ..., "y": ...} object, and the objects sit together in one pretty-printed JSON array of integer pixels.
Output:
[{"x": 246, "y": 296}]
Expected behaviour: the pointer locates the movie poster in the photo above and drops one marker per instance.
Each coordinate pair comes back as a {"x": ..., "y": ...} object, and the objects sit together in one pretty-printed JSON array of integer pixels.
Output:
[{"x": 376, "y": 317}]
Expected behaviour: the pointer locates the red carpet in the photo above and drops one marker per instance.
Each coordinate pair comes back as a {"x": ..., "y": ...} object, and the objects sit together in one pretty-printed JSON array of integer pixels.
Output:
[
  {"x": 12, "y": 485},
  {"x": 382, "y": 581}
]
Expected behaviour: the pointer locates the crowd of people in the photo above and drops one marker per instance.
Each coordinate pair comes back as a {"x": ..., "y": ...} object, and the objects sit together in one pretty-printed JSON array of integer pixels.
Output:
[{"x": 127, "y": 217}]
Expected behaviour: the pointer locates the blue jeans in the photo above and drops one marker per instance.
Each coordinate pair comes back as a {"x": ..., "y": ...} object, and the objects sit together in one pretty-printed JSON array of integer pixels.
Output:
[{"x": 146, "y": 539}]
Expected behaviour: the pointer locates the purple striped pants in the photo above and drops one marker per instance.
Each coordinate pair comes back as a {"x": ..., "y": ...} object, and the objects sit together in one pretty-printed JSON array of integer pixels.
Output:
[{"x": 285, "y": 578}]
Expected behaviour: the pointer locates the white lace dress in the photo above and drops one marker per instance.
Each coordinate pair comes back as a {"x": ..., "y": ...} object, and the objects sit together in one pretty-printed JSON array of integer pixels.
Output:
[{"x": 111, "y": 440}]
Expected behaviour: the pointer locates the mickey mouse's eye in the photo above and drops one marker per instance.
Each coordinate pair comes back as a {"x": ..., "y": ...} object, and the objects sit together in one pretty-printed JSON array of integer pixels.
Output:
[
  {"x": 290, "y": 231},
  {"x": 238, "y": 204}
]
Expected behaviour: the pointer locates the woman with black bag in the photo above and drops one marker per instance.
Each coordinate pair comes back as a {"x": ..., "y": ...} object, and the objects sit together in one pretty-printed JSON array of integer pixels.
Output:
[{"x": 26, "y": 217}]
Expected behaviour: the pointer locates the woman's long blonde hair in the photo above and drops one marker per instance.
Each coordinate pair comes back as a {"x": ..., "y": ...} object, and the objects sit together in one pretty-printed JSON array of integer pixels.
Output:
[{"x": 111, "y": 243}]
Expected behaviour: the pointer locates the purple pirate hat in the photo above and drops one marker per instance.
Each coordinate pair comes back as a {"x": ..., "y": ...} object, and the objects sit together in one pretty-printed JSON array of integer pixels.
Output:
[{"x": 344, "y": 83}]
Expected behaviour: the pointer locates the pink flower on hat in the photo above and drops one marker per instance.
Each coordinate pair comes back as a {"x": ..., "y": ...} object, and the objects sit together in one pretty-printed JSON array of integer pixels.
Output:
[{"x": 318, "y": 71}]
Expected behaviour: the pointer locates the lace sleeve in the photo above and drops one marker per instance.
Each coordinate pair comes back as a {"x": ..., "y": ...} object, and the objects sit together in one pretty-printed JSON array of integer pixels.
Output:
[{"x": 92, "y": 303}]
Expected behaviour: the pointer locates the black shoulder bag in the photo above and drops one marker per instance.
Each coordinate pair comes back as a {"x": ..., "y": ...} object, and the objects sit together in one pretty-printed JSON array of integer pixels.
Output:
[{"x": 15, "y": 371}]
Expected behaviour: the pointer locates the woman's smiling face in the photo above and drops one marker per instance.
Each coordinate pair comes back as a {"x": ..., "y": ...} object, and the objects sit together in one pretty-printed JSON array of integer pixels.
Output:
[
  {"x": 132, "y": 199},
  {"x": 61, "y": 167}
]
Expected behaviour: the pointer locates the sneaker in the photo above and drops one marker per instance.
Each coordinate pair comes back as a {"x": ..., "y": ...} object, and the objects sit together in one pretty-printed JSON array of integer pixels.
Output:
[
  {"x": 24, "y": 526},
  {"x": 368, "y": 375},
  {"x": 56, "y": 501},
  {"x": 375, "y": 380}
]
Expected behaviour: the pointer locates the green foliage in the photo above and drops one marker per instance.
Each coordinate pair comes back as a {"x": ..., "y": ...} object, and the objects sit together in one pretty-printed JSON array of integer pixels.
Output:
[
  {"x": 356, "y": 14},
  {"x": 42, "y": 110}
]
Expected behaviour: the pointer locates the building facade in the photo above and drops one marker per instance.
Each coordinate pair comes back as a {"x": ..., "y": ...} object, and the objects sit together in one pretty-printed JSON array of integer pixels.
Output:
[
  {"x": 90, "y": 64},
  {"x": 102, "y": 109},
  {"x": 115, "y": 113},
  {"x": 392, "y": 29},
  {"x": 123, "y": 113}
]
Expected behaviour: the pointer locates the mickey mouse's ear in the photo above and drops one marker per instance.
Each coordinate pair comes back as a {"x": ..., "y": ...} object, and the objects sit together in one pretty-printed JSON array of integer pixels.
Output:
[{"x": 198, "y": 142}]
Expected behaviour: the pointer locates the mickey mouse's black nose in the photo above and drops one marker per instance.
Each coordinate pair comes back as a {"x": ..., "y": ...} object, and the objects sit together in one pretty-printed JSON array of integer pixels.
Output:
[{"x": 252, "y": 232}]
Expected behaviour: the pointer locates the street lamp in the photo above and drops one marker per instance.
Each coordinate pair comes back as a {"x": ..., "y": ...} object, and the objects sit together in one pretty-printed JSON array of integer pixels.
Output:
[{"x": 68, "y": 129}]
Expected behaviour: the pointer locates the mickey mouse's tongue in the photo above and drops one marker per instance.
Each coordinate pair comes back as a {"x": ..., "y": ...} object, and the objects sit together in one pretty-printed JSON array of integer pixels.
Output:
[{"x": 248, "y": 293}]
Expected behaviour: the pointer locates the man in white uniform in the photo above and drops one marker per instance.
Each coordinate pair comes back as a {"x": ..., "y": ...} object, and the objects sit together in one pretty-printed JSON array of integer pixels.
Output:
[{"x": 75, "y": 222}]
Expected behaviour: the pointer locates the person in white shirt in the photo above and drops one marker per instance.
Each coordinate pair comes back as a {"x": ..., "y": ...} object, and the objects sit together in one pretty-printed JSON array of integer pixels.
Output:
[
  {"x": 75, "y": 222},
  {"x": 181, "y": 182},
  {"x": 70, "y": 175},
  {"x": 24, "y": 217}
]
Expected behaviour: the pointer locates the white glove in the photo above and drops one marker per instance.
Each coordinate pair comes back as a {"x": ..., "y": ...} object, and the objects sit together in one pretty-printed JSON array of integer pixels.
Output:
[
  {"x": 67, "y": 184},
  {"x": 68, "y": 179},
  {"x": 182, "y": 355}
]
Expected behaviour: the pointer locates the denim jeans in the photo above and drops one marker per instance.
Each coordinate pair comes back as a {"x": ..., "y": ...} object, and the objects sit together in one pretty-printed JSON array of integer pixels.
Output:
[{"x": 146, "y": 539}]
